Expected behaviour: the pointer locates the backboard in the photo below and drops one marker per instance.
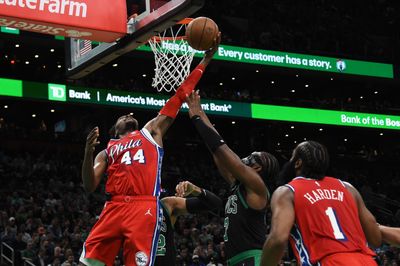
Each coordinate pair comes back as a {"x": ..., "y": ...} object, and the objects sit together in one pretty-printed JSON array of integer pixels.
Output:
[{"x": 146, "y": 18}]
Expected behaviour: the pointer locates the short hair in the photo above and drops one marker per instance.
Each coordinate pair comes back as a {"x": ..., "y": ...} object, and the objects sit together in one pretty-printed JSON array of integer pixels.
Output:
[
  {"x": 129, "y": 127},
  {"x": 315, "y": 159},
  {"x": 112, "y": 132}
]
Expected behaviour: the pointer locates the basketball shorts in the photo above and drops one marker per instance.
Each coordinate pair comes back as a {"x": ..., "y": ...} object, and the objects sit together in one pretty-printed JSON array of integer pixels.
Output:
[
  {"x": 130, "y": 222},
  {"x": 346, "y": 259},
  {"x": 246, "y": 258}
]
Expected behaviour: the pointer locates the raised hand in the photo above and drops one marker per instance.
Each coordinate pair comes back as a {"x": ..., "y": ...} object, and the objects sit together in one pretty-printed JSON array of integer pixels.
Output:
[
  {"x": 208, "y": 55},
  {"x": 193, "y": 101},
  {"x": 91, "y": 140}
]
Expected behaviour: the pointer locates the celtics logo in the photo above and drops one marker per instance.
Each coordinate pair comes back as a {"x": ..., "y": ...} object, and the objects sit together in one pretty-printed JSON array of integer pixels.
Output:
[{"x": 341, "y": 65}]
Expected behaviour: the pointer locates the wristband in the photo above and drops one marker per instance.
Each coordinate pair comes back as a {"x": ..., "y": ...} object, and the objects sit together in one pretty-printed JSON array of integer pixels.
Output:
[
  {"x": 211, "y": 138},
  {"x": 172, "y": 107}
]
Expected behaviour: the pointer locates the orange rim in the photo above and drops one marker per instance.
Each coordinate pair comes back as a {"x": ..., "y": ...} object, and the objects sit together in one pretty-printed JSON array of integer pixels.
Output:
[
  {"x": 162, "y": 39},
  {"x": 184, "y": 21}
]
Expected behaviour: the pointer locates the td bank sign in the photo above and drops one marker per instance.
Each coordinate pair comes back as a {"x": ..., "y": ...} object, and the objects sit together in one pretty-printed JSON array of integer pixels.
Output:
[
  {"x": 64, "y": 93},
  {"x": 57, "y": 92}
]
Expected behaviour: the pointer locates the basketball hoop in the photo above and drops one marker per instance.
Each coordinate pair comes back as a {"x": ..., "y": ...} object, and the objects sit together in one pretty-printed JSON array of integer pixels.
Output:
[{"x": 173, "y": 57}]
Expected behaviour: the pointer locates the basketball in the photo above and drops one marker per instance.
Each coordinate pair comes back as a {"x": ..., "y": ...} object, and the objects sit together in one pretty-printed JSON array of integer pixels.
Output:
[{"x": 201, "y": 32}]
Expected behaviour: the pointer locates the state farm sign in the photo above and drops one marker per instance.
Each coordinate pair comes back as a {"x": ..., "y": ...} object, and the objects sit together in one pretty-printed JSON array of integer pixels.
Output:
[{"x": 99, "y": 20}]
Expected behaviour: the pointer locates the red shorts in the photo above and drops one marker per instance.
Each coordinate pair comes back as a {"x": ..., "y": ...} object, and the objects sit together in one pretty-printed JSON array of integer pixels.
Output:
[
  {"x": 346, "y": 259},
  {"x": 131, "y": 221}
]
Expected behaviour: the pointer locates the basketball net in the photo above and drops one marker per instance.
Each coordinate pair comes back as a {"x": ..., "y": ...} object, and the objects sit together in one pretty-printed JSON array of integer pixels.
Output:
[{"x": 173, "y": 57}]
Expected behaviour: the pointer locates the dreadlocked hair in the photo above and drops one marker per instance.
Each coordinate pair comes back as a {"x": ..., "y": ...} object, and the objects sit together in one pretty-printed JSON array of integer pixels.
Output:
[
  {"x": 315, "y": 159},
  {"x": 269, "y": 167}
]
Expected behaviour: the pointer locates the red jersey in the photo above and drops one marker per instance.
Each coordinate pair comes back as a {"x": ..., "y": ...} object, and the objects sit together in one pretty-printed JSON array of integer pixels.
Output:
[
  {"x": 134, "y": 165},
  {"x": 326, "y": 220}
]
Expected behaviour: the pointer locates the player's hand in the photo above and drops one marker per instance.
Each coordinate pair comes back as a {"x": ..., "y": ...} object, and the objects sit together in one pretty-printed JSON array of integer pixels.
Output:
[
  {"x": 193, "y": 101},
  {"x": 208, "y": 55},
  {"x": 91, "y": 140},
  {"x": 185, "y": 188}
]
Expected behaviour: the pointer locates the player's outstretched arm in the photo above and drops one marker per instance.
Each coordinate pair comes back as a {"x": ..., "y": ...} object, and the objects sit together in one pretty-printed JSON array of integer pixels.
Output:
[
  {"x": 390, "y": 235},
  {"x": 283, "y": 218},
  {"x": 159, "y": 125},
  {"x": 196, "y": 109},
  {"x": 368, "y": 221},
  {"x": 200, "y": 200},
  {"x": 92, "y": 173},
  {"x": 231, "y": 165},
  {"x": 224, "y": 172}
]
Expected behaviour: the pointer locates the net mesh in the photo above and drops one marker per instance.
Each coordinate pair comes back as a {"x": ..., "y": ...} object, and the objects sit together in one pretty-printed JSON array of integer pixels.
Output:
[{"x": 173, "y": 58}]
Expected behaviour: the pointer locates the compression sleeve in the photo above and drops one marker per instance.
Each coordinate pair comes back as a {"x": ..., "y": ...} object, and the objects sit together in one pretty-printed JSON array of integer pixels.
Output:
[
  {"x": 206, "y": 201},
  {"x": 211, "y": 138},
  {"x": 171, "y": 108}
]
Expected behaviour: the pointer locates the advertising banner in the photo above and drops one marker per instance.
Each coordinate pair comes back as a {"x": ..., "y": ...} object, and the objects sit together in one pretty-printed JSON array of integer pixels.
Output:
[
  {"x": 58, "y": 92},
  {"x": 325, "y": 117},
  {"x": 133, "y": 100},
  {"x": 99, "y": 20},
  {"x": 290, "y": 60}
]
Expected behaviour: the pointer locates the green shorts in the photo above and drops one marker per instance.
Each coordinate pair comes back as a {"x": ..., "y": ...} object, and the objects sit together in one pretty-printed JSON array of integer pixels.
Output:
[{"x": 247, "y": 258}]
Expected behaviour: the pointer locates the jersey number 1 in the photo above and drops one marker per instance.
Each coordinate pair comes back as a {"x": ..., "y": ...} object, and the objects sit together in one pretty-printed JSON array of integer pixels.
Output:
[
  {"x": 139, "y": 156},
  {"x": 335, "y": 224}
]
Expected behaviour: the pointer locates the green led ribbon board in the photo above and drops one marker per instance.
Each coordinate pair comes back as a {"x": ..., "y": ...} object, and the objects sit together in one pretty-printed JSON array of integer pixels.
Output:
[
  {"x": 326, "y": 117},
  {"x": 73, "y": 94},
  {"x": 279, "y": 59},
  {"x": 291, "y": 60}
]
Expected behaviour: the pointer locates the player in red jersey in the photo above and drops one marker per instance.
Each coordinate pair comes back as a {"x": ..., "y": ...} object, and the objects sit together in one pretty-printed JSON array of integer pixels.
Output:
[
  {"x": 325, "y": 218},
  {"x": 131, "y": 217}
]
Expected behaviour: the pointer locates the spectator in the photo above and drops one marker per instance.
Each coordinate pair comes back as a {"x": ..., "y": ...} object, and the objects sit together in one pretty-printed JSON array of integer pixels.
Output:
[
  {"x": 58, "y": 254},
  {"x": 8, "y": 236},
  {"x": 56, "y": 262},
  {"x": 28, "y": 253},
  {"x": 69, "y": 262},
  {"x": 213, "y": 262},
  {"x": 19, "y": 244},
  {"x": 13, "y": 226},
  {"x": 196, "y": 261},
  {"x": 41, "y": 259}
]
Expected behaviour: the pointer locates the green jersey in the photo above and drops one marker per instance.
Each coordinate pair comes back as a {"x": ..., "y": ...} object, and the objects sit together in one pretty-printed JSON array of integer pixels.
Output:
[
  {"x": 166, "y": 253},
  {"x": 245, "y": 229}
]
